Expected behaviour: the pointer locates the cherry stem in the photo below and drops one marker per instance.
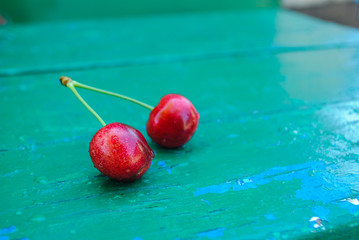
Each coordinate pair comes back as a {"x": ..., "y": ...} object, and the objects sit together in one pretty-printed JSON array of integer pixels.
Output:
[
  {"x": 77, "y": 84},
  {"x": 70, "y": 84}
]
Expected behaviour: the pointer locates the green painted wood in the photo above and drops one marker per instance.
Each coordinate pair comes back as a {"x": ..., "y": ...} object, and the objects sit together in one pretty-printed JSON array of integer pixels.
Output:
[
  {"x": 276, "y": 143},
  {"x": 66, "y": 46},
  {"x": 45, "y": 10}
]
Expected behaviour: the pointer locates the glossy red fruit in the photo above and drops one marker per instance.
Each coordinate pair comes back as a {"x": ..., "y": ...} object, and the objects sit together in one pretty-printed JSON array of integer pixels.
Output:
[
  {"x": 120, "y": 152},
  {"x": 173, "y": 121}
]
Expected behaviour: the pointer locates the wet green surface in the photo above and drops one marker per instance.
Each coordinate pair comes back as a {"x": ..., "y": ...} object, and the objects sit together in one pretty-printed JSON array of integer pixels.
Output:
[{"x": 275, "y": 147}]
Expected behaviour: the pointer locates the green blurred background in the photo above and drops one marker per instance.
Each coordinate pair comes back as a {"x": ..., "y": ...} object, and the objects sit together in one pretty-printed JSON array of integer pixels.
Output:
[{"x": 52, "y": 10}]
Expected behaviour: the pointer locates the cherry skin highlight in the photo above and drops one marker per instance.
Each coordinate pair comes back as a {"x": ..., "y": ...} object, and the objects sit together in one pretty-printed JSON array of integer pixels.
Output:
[
  {"x": 120, "y": 152},
  {"x": 173, "y": 121}
]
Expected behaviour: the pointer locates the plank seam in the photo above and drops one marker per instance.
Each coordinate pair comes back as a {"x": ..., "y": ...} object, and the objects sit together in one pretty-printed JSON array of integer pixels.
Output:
[{"x": 121, "y": 63}]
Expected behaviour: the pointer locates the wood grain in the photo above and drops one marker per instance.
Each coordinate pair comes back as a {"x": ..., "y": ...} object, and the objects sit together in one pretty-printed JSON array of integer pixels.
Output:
[{"x": 276, "y": 144}]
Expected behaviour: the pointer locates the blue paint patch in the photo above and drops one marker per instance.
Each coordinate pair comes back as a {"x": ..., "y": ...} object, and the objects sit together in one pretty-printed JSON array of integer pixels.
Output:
[
  {"x": 241, "y": 185},
  {"x": 285, "y": 177},
  {"x": 287, "y": 173},
  {"x": 212, "y": 233},
  {"x": 321, "y": 212},
  {"x": 270, "y": 217},
  {"x": 137, "y": 238},
  {"x": 162, "y": 164},
  {"x": 221, "y": 188},
  {"x": 324, "y": 187},
  {"x": 319, "y": 182},
  {"x": 349, "y": 206},
  {"x": 244, "y": 181},
  {"x": 8, "y": 230},
  {"x": 4, "y": 238},
  {"x": 206, "y": 201}
]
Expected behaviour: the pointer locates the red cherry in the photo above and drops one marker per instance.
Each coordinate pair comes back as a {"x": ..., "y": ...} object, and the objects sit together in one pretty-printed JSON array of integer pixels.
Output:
[
  {"x": 173, "y": 121},
  {"x": 120, "y": 152}
]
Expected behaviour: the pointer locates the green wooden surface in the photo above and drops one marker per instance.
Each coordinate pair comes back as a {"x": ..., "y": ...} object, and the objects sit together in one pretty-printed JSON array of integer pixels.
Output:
[
  {"x": 276, "y": 143},
  {"x": 52, "y": 10}
]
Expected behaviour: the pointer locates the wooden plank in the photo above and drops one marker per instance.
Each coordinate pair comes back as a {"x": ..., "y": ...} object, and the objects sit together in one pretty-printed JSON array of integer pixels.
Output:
[
  {"x": 270, "y": 153},
  {"x": 42, "y": 10},
  {"x": 69, "y": 46}
]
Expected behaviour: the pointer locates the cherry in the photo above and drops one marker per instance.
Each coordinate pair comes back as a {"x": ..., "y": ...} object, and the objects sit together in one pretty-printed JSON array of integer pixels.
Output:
[
  {"x": 117, "y": 150},
  {"x": 173, "y": 121},
  {"x": 120, "y": 152}
]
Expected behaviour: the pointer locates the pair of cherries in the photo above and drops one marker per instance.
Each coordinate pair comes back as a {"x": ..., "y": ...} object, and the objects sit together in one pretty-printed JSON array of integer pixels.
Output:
[{"x": 120, "y": 151}]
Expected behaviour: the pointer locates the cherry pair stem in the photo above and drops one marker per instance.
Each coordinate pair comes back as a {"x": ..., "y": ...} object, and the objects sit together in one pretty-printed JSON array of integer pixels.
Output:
[{"x": 71, "y": 84}]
